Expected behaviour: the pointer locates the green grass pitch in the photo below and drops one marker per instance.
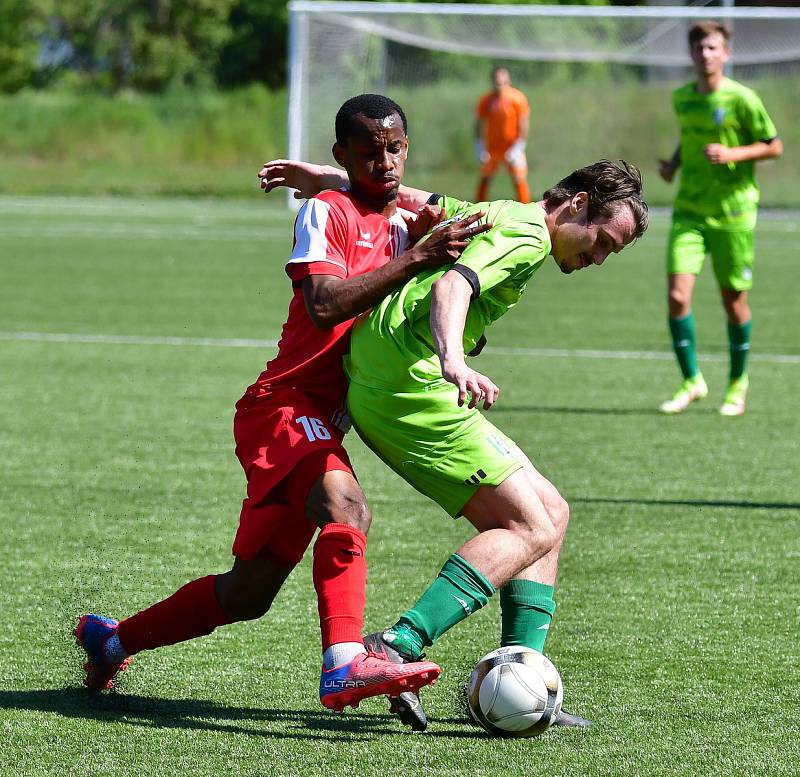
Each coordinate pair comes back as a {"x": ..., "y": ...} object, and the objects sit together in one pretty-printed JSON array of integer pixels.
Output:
[{"x": 127, "y": 332}]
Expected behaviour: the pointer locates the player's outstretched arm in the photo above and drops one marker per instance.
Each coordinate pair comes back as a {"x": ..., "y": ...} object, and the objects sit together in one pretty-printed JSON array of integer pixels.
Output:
[
  {"x": 450, "y": 299},
  {"x": 330, "y": 300},
  {"x": 310, "y": 179},
  {"x": 307, "y": 178}
]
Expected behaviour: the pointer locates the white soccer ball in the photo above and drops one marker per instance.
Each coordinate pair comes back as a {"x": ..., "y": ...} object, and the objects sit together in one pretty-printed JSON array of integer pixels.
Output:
[{"x": 515, "y": 692}]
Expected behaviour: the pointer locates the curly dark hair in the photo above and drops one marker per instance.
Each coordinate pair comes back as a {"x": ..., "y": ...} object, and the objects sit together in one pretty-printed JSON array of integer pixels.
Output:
[
  {"x": 609, "y": 185},
  {"x": 373, "y": 106}
]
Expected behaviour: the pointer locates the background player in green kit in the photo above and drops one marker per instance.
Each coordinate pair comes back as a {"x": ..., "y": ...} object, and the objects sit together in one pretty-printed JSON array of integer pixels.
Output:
[
  {"x": 724, "y": 129},
  {"x": 413, "y": 399}
]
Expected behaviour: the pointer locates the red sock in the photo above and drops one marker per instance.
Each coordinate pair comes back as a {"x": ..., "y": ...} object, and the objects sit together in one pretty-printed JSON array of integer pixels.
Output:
[
  {"x": 340, "y": 577},
  {"x": 192, "y": 611}
]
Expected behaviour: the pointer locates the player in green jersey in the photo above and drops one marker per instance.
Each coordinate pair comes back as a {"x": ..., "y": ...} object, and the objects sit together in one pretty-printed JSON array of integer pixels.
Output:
[
  {"x": 724, "y": 130},
  {"x": 414, "y": 399}
]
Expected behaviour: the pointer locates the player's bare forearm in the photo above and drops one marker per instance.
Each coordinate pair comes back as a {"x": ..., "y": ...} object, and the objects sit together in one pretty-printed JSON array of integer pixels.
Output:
[
  {"x": 668, "y": 167},
  {"x": 524, "y": 128},
  {"x": 718, "y": 154},
  {"x": 307, "y": 178},
  {"x": 310, "y": 179},
  {"x": 331, "y": 300},
  {"x": 412, "y": 199},
  {"x": 450, "y": 298}
]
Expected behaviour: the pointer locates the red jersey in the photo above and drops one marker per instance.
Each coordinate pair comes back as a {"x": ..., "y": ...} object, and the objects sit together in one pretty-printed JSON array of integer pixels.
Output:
[{"x": 333, "y": 235}]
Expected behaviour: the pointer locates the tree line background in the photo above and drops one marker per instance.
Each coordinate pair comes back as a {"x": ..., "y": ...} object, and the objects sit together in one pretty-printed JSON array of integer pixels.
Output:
[
  {"x": 149, "y": 45},
  {"x": 188, "y": 97}
]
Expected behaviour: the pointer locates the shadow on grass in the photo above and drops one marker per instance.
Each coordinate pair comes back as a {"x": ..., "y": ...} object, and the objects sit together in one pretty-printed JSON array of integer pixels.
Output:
[
  {"x": 198, "y": 714},
  {"x": 690, "y": 503},
  {"x": 595, "y": 410},
  {"x": 204, "y": 715}
]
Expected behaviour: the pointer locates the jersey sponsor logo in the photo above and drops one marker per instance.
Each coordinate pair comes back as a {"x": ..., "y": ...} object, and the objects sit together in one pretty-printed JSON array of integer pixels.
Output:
[
  {"x": 498, "y": 444},
  {"x": 365, "y": 244},
  {"x": 719, "y": 116}
]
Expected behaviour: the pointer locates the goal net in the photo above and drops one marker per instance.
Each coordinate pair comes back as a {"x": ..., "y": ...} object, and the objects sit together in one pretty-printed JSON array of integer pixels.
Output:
[{"x": 598, "y": 79}]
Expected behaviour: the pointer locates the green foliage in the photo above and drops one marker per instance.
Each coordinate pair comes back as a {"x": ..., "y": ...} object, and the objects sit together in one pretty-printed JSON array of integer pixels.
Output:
[
  {"x": 18, "y": 45},
  {"x": 180, "y": 142},
  {"x": 258, "y": 45},
  {"x": 137, "y": 44},
  {"x": 148, "y": 45}
]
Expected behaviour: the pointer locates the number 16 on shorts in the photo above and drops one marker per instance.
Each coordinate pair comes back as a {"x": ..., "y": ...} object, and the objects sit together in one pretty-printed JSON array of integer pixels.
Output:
[{"x": 314, "y": 428}]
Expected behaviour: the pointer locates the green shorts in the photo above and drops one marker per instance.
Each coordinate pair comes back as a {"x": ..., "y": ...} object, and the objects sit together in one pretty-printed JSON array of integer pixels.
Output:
[
  {"x": 445, "y": 451},
  {"x": 731, "y": 252}
]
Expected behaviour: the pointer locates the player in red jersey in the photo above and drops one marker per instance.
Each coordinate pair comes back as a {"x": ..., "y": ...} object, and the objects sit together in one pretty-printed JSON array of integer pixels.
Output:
[{"x": 350, "y": 250}]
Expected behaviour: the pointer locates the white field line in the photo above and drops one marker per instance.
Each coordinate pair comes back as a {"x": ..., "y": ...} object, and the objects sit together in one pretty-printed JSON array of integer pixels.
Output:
[
  {"x": 211, "y": 342},
  {"x": 136, "y": 231}
]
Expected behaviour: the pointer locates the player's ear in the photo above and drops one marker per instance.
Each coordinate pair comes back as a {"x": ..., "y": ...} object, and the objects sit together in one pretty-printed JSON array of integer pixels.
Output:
[
  {"x": 578, "y": 202},
  {"x": 338, "y": 154}
]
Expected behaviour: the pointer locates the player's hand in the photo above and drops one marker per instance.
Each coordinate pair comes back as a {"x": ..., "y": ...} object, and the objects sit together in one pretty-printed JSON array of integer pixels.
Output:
[
  {"x": 718, "y": 154},
  {"x": 423, "y": 221},
  {"x": 479, "y": 346},
  {"x": 448, "y": 240},
  {"x": 471, "y": 384},
  {"x": 481, "y": 154},
  {"x": 666, "y": 169},
  {"x": 307, "y": 178}
]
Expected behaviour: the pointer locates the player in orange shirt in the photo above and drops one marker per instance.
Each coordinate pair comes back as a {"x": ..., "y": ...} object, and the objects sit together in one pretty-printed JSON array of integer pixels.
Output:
[{"x": 501, "y": 131}]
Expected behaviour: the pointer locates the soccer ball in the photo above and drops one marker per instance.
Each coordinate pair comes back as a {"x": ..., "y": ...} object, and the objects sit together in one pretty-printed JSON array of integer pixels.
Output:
[{"x": 515, "y": 692}]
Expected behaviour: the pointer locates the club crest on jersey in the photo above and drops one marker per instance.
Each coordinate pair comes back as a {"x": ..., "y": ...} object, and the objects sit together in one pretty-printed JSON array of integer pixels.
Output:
[{"x": 719, "y": 116}]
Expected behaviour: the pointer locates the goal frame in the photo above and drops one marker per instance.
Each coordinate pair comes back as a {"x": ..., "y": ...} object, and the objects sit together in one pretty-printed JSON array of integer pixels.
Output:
[{"x": 301, "y": 12}]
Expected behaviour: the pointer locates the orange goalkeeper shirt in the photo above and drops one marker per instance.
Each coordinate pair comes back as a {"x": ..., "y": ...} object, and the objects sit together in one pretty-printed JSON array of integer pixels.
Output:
[{"x": 502, "y": 114}]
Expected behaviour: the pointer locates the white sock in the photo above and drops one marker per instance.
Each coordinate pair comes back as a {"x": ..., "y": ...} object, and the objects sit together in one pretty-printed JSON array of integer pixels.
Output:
[{"x": 341, "y": 653}]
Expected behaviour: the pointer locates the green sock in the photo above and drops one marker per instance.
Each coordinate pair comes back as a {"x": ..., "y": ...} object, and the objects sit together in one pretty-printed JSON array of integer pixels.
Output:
[
  {"x": 683, "y": 343},
  {"x": 527, "y": 609},
  {"x": 739, "y": 343},
  {"x": 457, "y": 592}
]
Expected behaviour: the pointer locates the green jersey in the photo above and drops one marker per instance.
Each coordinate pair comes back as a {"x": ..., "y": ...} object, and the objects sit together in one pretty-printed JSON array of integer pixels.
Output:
[
  {"x": 723, "y": 196},
  {"x": 392, "y": 346}
]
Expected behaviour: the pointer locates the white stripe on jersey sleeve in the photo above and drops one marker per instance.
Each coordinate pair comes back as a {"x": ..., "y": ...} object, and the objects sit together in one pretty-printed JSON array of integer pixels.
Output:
[{"x": 310, "y": 243}]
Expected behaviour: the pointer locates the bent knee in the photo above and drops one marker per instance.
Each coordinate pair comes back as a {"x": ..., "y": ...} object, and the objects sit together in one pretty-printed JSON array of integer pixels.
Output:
[
  {"x": 539, "y": 537},
  {"x": 559, "y": 515},
  {"x": 339, "y": 500}
]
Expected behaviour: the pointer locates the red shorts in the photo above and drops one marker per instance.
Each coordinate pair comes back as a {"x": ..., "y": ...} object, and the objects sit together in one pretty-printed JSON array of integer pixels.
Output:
[{"x": 284, "y": 442}]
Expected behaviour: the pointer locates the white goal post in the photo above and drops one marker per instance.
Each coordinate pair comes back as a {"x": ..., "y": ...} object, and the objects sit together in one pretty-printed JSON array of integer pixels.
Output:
[{"x": 339, "y": 49}]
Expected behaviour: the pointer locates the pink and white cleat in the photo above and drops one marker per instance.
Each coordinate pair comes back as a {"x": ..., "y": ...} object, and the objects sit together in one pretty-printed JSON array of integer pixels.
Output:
[{"x": 370, "y": 674}]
